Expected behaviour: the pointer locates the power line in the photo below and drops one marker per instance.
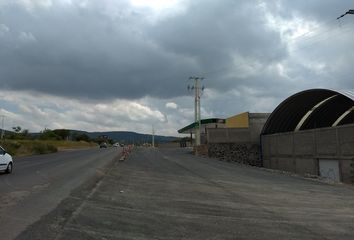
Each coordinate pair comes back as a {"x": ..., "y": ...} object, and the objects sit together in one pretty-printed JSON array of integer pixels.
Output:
[
  {"x": 313, "y": 40},
  {"x": 334, "y": 33},
  {"x": 315, "y": 29},
  {"x": 323, "y": 32}
]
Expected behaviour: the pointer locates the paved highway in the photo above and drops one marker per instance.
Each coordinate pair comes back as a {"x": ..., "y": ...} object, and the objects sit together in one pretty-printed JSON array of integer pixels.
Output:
[
  {"x": 170, "y": 194},
  {"x": 39, "y": 183}
]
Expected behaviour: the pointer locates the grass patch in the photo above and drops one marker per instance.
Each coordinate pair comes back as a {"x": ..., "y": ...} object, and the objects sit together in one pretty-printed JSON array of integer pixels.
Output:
[
  {"x": 33, "y": 147},
  {"x": 62, "y": 145}
]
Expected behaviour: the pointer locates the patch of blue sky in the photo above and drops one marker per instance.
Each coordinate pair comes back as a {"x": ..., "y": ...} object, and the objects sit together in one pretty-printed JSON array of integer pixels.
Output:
[
  {"x": 9, "y": 106},
  {"x": 53, "y": 108}
]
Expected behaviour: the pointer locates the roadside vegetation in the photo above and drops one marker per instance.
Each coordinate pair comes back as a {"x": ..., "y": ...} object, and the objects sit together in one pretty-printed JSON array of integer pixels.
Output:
[
  {"x": 28, "y": 147},
  {"x": 20, "y": 142}
]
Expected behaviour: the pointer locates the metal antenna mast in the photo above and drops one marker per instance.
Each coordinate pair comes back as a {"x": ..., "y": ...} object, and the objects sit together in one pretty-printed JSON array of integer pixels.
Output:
[{"x": 198, "y": 89}]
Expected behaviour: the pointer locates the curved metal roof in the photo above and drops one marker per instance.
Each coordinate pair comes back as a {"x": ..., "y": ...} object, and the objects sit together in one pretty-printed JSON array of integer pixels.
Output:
[{"x": 314, "y": 108}]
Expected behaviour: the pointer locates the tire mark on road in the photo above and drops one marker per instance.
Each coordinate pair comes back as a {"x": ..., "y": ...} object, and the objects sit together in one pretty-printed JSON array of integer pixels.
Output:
[{"x": 234, "y": 195}]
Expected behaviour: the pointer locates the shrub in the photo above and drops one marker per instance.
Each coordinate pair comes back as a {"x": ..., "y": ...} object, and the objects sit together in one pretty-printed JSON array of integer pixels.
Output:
[
  {"x": 43, "y": 148},
  {"x": 11, "y": 147},
  {"x": 49, "y": 135},
  {"x": 81, "y": 137}
]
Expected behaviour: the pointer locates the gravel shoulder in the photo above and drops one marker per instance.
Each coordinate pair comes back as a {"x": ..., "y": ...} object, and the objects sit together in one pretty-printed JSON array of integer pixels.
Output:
[{"x": 170, "y": 194}]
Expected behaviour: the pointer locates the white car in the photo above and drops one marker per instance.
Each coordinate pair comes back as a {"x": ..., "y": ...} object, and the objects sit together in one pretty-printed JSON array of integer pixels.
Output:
[
  {"x": 6, "y": 163},
  {"x": 116, "y": 145}
]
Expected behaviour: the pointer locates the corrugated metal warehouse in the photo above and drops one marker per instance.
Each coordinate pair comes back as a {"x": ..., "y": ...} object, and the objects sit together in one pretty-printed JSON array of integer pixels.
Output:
[{"x": 312, "y": 132}]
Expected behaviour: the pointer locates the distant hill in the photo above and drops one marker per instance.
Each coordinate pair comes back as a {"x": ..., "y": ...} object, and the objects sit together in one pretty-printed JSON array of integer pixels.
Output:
[
  {"x": 126, "y": 136},
  {"x": 118, "y": 136},
  {"x": 130, "y": 136}
]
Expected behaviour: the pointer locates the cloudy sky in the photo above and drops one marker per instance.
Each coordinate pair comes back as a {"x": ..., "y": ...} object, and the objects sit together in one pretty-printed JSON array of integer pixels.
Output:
[{"x": 101, "y": 65}]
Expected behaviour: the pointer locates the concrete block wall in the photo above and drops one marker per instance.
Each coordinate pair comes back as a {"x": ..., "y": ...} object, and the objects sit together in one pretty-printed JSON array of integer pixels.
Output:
[
  {"x": 284, "y": 145},
  {"x": 228, "y": 135},
  {"x": 326, "y": 142},
  {"x": 300, "y": 152},
  {"x": 303, "y": 143},
  {"x": 346, "y": 141},
  {"x": 257, "y": 121}
]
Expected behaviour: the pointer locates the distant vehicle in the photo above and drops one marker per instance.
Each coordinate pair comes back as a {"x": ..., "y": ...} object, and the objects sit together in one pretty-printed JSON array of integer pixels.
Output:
[
  {"x": 116, "y": 145},
  {"x": 6, "y": 163},
  {"x": 103, "y": 145}
]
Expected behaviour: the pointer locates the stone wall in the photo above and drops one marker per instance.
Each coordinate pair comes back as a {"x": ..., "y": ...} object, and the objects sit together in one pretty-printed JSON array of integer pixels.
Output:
[
  {"x": 201, "y": 150},
  {"x": 238, "y": 144},
  {"x": 245, "y": 153}
]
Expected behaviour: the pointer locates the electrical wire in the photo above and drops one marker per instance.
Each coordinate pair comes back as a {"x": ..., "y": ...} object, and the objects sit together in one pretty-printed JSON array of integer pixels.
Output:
[{"x": 303, "y": 42}]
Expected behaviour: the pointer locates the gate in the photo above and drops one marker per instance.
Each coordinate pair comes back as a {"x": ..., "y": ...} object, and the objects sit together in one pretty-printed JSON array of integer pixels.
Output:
[{"x": 329, "y": 169}]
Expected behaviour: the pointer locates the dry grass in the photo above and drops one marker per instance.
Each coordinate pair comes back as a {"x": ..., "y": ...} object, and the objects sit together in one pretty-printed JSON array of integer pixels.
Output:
[{"x": 62, "y": 145}]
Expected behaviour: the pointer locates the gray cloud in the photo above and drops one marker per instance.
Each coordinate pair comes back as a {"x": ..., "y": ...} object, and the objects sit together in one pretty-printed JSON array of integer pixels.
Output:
[
  {"x": 82, "y": 52},
  {"x": 100, "y": 53},
  {"x": 104, "y": 51},
  {"x": 319, "y": 10},
  {"x": 214, "y": 33}
]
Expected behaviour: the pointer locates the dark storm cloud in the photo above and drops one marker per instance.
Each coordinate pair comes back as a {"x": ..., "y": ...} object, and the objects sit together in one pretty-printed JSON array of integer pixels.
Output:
[
  {"x": 210, "y": 29},
  {"x": 82, "y": 52},
  {"x": 96, "y": 52},
  {"x": 110, "y": 49},
  {"x": 215, "y": 33}
]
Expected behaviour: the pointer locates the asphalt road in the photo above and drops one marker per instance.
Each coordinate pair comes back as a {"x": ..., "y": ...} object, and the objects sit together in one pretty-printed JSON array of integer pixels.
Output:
[
  {"x": 170, "y": 194},
  {"x": 39, "y": 183}
]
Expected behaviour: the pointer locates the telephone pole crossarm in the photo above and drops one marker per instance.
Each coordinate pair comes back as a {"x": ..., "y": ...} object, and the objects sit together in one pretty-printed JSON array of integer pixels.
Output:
[{"x": 351, "y": 11}]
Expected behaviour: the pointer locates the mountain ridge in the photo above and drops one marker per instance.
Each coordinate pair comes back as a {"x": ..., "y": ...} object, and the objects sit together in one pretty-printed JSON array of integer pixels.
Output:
[{"x": 126, "y": 136}]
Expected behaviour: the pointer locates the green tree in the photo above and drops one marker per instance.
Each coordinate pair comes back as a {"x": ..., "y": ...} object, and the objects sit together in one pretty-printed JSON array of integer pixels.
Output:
[
  {"x": 18, "y": 133},
  {"x": 25, "y": 134},
  {"x": 63, "y": 133},
  {"x": 48, "y": 134},
  {"x": 81, "y": 137},
  {"x": 17, "y": 129}
]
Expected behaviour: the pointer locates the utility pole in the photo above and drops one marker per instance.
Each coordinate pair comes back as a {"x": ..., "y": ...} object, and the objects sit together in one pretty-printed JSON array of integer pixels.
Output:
[
  {"x": 153, "y": 136},
  {"x": 197, "y": 116},
  {"x": 2, "y": 126},
  {"x": 351, "y": 11}
]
